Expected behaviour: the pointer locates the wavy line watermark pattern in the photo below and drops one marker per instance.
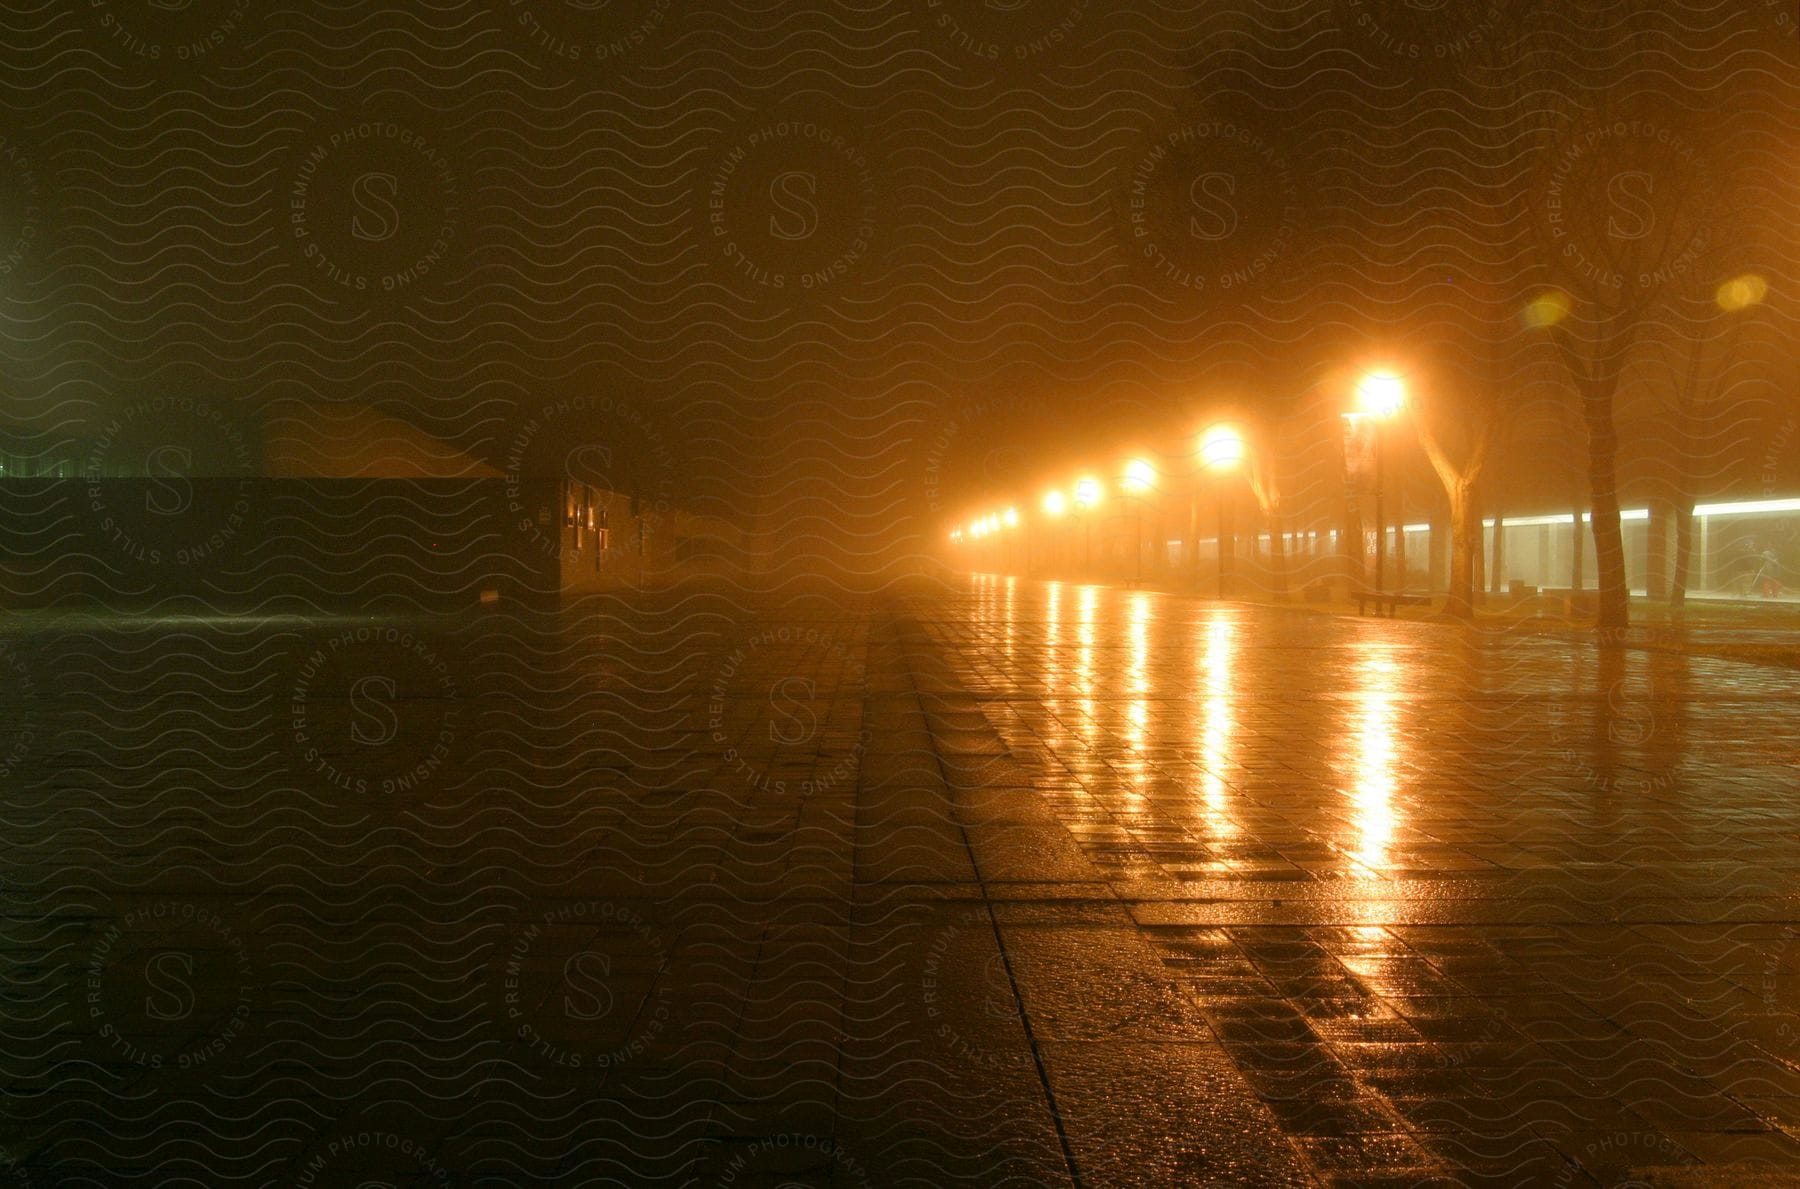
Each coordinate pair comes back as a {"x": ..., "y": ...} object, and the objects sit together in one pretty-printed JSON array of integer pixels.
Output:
[
  {"x": 1211, "y": 207},
  {"x": 608, "y": 1000},
  {"x": 21, "y": 206},
  {"x": 792, "y": 208},
  {"x": 153, "y": 31},
  {"x": 168, "y": 984},
  {"x": 590, "y": 33},
  {"x": 168, "y": 519},
  {"x": 373, "y": 207},
  {"x": 374, "y": 710},
  {"x": 763, "y": 713},
  {"x": 372, "y": 1159},
  {"x": 1008, "y": 31},
  {"x": 19, "y": 731}
]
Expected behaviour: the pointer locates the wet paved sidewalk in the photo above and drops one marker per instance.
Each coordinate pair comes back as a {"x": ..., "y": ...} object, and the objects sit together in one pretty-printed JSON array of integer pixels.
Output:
[
  {"x": 1459, "y": 907},
  {"x": 1018, "y": 885}
]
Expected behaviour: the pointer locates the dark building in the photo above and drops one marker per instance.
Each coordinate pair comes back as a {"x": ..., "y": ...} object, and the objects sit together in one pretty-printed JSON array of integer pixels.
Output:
[{"x": 340, "y": 508}]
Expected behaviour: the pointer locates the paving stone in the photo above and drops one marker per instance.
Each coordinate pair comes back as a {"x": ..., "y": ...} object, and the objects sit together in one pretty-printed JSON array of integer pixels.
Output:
[{"x": 931, "y": 887}]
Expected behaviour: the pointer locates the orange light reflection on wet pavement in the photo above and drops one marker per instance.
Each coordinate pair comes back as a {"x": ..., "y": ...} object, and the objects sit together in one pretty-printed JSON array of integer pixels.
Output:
[
  {"x": 1216, "y": 724},
  {"x": 1372, "y": 731},
  {"x": 1139, "y": 616}
]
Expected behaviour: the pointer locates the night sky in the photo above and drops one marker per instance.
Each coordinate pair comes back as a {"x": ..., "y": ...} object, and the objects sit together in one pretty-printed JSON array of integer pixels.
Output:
[{"x": 839, "y": 268}]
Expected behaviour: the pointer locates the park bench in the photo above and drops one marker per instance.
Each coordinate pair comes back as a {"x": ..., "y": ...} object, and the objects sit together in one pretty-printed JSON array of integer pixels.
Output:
[
  {"x": 1388, "y": 599},
  {"x": 1574, "y": 602}
]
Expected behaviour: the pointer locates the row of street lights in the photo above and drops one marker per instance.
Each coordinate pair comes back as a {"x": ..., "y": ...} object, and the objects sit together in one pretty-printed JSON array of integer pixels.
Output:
[{"x": 1222, "y": 449}]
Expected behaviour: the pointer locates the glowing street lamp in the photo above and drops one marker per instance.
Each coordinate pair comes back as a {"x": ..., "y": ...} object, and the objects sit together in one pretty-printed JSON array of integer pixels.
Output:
[
  {"x": 1381, "y": 393},
  {"x": 1222, "y": 448},
  {"x": 1010, "y": 518}
]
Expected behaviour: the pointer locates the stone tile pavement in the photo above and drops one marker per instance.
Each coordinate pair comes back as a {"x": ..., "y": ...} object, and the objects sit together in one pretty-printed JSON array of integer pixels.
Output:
[{"x": 1010, "y": 884}]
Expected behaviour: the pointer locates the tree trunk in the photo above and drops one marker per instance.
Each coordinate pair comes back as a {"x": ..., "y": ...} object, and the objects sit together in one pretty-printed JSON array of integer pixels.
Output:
[
  {"x": 1595, "y": 369},
  {"x": 1656, "y": 553},
  {"x": 1350, "y": 542},
  {"x": 1687, "y": 481},
  {"x": 1478, "y": 562},
  {"x": 1227, "y": 551},
  {"x": 1192, "y": 543},
  {"x": 1399, "y": 539},
  {"x": 1499, "y": 564},
  {"x": 1576, "y": 578},
  {"x": 1459, "y": 483},
  {"x": 1684, "y": 550},
  {"x": 1277, "y": 557},
  {"x": 1465, "y": 549},
  {"x": 1694, "y": 404},
  {"x": 1603, "y": 492}
]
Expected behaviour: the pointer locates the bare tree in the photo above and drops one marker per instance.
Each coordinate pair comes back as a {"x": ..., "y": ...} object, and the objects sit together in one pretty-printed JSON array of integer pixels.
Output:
[
  {"x": 1515, "y": 184},
  {"x": 1699, "y": 352},
  {"x": 1443, "y": 171},
  {"x": 1570, "y": 170},
  {"x": 1459, "y": 468},
  {"x": 1638, "y": 193},
  {"x": 1629, "y": 216}
]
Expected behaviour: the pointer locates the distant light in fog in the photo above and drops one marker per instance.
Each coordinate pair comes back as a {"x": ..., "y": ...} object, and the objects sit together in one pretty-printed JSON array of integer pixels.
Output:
[
  {"x": 1740, "y": 293},
  {"x": 1547, "y": 309}
]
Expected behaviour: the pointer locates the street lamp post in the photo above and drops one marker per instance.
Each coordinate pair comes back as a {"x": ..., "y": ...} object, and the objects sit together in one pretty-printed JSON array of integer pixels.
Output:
[
  {"x": 1224, "y": 555},
  {"x": 1087, "y": 496},
  {"x": 1193, "y": 536},
  {"x": 1055, "y": 505},
  {"x": 1137, "y": 542},
  {"x": 986, "y": 529},
  {"x": 1139, "y": 477},
  {"x": 1221, "y": 449},
  {"x": 1010, "y": 519},
  {"x": 1380, "y": 518},
  {"x": 1381, "y": 395}
]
